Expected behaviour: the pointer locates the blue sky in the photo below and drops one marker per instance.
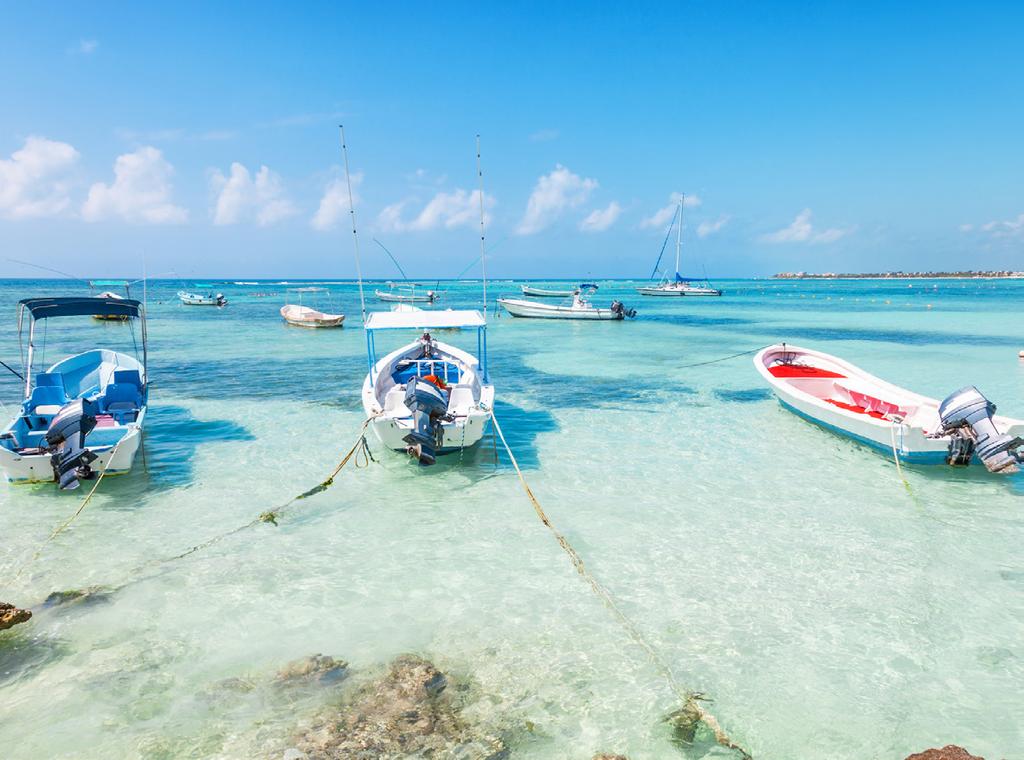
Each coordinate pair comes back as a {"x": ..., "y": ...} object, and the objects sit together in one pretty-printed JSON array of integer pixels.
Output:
[{"x": 815, "y": 136}]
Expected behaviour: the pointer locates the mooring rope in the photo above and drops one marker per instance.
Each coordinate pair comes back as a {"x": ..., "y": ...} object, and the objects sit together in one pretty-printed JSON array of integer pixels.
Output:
[
  {"x": 691, "y": 699},
  {"x": 81, "y": 507},
  {"x": 723, "y": 358}
]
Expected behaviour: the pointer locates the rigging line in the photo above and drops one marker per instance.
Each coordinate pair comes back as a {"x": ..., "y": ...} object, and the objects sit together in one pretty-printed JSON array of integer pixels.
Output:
[
  {"x": 483, "y": 259},
  {"x": 48, "y": 269},
  {"x": 352, "y": 213},
  {"x": 393, "y": 259},
  {"x": 665, "y": 243},
  {"x": 13, "y": 371}
]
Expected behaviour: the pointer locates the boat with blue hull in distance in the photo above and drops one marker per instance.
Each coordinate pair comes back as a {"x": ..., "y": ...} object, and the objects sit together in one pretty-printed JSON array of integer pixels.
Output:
[
  {"x": 84, "y": 415},
  {"x": 838, "y": 396},
  {"x": 428, "y": 397}
]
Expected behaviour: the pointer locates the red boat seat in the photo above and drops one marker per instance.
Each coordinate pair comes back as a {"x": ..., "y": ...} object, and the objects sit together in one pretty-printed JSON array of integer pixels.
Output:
[
  {"x": 800, "y": 370},
  {"x": 855, "y": 408}
]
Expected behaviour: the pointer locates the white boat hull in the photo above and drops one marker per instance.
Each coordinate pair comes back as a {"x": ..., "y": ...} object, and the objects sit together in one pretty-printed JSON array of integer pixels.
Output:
[
  {"x": 303, "y": 316},
  {"x": 521, "y": 308},
  {"x": 676, "y": 292},
  {"x": 395, "y": 298},
  {"x": 842, "y": 398},
  {"x": 36, "y": 468},
  {"x": 542, "y": 293}
]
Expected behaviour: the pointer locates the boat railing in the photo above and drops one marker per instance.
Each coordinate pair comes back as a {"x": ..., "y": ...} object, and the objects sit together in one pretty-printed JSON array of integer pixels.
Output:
[{"x": 449, "y": 372}]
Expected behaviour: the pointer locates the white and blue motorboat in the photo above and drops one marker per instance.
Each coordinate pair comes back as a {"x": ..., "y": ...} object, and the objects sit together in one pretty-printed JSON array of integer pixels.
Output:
[
  {"x": 428, "y": 397},
  {"x": 84, "y": 415}
]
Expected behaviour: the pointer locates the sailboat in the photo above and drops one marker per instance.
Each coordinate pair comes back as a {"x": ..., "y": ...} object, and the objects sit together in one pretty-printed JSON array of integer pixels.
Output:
[
  {"x": 679, "y": 285},
  {"x": 426, "y": 397},
  {"x": 305, "y": 316}
]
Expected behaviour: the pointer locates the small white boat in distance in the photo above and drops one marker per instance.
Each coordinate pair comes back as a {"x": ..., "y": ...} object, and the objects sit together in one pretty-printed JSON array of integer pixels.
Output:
[
  {"x": 845, "y": 399},
  {"x": 580, "y": 308},
  {"x": 110, "y": 294},
  {"x": 530, "y": 290},
  {"x": 678, "y": 285},
  {"x": 428, "y": 397},
  {"x": 84, "y": 415},
  {"x": 301, "y": 315},
  {"x": 197, "y": 299},
  {"x": 406, "y": 294}
]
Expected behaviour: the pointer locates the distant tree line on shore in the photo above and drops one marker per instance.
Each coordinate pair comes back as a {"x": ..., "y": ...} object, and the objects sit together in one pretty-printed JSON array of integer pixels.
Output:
[{"x": 898, "y": 275}]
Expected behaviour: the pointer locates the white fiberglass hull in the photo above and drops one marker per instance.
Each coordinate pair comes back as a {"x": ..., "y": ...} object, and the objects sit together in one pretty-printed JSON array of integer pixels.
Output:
[
  {"x": 36, "y": 468},
  {"x": 303, "y": 316},
  {"x": 471, "y": 401},
  {"x": 520, "y": 308},
  {"x": 395, "y": 298},
  {"x": 671, "y": 292},
  {"x": 844, "y": 399},
  {"x": 542, "y": 293}
]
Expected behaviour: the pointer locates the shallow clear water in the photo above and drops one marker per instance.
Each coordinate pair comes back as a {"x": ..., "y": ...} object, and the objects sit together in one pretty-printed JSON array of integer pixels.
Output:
[{"x": 781, "y": 570}]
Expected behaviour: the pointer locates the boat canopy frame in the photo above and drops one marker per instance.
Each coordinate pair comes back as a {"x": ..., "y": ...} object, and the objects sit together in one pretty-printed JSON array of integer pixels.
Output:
[
  {"x": 75, "y": 306},
  {"x": 425, "y": 321}
]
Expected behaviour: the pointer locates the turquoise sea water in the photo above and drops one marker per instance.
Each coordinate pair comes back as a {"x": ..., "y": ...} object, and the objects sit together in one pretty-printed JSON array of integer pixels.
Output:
[{"x": 781, "y": 570}]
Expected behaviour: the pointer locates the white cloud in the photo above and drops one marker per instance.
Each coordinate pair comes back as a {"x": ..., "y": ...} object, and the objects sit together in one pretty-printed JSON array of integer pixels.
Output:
[
  {"x": 34, "y": 181},
  {"x": 802, "y": 231},
  {"x": 334, "y": 203},
  {"x": 710, "y": 228},
  {"x": 662, "y": 216},
  {"x": 241, "y": 197},
  {"x": 553, "y": 194},
  {"x": 600, "y": 219},
  {"x": 448, "y": 210},
  {"x": 997, "y": 229},
  {"x": 87, "y": 46},
  {"x": 140, "y": 192},
  {"x": 544, "y": 135}
]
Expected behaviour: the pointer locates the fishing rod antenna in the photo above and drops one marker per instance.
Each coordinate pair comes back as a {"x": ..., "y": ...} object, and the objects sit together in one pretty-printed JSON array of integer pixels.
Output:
[{"x": 352, "y": 213}]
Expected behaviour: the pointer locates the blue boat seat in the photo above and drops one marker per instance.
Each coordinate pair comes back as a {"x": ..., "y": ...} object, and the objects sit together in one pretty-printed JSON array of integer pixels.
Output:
[
  {"x": 122, "y": 401},
  {"x": 51, "y": 379},
  {"x": 39, "y": 408},
  {"x": 128, "y": 377}
]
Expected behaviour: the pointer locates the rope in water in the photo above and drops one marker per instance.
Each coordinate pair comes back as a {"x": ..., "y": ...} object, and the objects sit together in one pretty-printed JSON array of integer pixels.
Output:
[
  {"x": 722, "y": 359},
  {"x": 692, "y": 700},
  {"x": 63, "y": 526},
  {"x": 362, "y": 457},
  {"x": 359, "y": 454}
]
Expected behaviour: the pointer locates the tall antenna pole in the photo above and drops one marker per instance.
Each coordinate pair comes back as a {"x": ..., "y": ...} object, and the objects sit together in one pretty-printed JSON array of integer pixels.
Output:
[
  {"x": 483, "y": 259},
  {"x": 352, "y": 212},
  {"x": 679, "y": 232}
]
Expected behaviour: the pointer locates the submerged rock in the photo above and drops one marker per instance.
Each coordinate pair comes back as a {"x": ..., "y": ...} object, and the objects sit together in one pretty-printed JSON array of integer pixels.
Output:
[
  {"x": 407, "y": 712},
  {"x": 11, "y": 616},
  {"x": 949, "y": 752},
  {"x": 606, "y": 756},
  {"x": 684, "y": 722},
  {"x": 317, "y": 667},
  {"x": 85, "y": 595}
]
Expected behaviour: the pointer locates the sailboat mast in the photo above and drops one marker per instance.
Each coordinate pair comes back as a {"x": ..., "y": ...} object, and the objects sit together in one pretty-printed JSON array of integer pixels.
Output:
[
  {"x": 679, "y": 230},
  {"x": 483, "y": 259},
  {"x": 352, "y": 213}
]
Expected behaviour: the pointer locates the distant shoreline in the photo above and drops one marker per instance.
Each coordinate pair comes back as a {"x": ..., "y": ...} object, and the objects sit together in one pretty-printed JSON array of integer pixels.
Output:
[{"x": 899, "y": 276}]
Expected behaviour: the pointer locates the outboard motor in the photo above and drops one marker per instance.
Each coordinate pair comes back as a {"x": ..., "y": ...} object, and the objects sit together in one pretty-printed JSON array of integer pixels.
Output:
[
  {"x": 618, "y": 308},
  {"x": 66, "y": 438},
  {"x": 428, "y": 405},
  {"x": 967, "y": 416}
]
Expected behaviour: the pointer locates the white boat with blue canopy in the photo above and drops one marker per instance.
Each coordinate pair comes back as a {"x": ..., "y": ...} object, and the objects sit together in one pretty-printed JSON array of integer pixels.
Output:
[
  {"x": 84, "y": 415},
  {"x": 428, "y": 397}
]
